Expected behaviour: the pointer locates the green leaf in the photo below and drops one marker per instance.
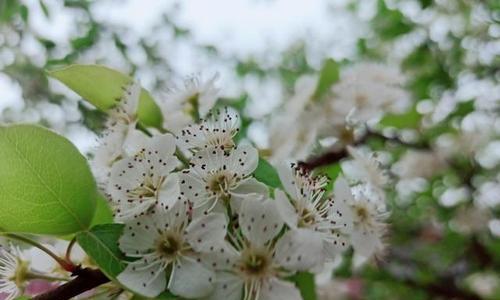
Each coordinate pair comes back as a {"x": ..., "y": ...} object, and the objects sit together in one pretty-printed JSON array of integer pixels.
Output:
[
  {"x": 163, "y": 296},
  {"x": 390, "y": 23},
  {"x": 8, "y": 8},
  {"x": 85, "y": 42},
  {"x": 45, "y": 9},
  {"x": 46, "y": 186},
  {"x": 103, "y": 213},
  {"x": 24, "y": 12},
  {"x": 328, "y": 76},
  {"x": 332, "y": 172},
  {"x": 167, "y": 296},
  {"x": 410, "y": 119},
  {"x": 305, "y": 283},
  {"x": 266, "y": 173},
  {"x": 101, "y": 244},
  {"x": 101, "y": 86}
]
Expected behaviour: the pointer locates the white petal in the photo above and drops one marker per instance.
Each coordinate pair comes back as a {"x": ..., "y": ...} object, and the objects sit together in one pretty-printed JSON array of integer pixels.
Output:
[
  {"x": 275, "y": 289},
  {"x": 335, "y": 244},
  {"x": 300, "y": 250},
  {"x": 206, "y": 161},
  {"x": 170, "y": 191},
  {"x": 144, "y": 278},
  {"x": 365, "y": 243},
  {"x": 158, "y": 155},
  {"x": 138, "y": 235},
  {"x": 206, "y": 231},
  {"x": 227, "y": 287},
  {"x": 220, "y": 257},
  {"x": 193, "y": 188},
  {"x": 192, "y": 136},
  {"x": 286, "y": 209},
  {"x": 164, "y": 144},
  {"x": 244, "y": 160},
  {"x": 342, "y": 201},
  {"x": 247, "y": 186},
  {"x": 287, "y": 178},
  {"x": 172, "y": 217},
  {"x": 130, "y": 101},
  {"x": 134, "y": 141},
  {"x": 191, "y": 279},
  {"x": 202, "y": 210},
  {"x": 125, "y": 174},
  {"x": 126, "y": 211},
  {"x": 259, "y": 220}
]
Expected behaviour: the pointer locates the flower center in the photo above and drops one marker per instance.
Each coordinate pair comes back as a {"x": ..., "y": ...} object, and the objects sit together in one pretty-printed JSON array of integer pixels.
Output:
[
  {"x": 147, "y": 189},
  {"x": 306, "y": 218},
  {"x": 255, "y": 263},
  {"x": 221, "y": 139},
  {"x": 192, "y": 104},
  {"x": 21, "y": 273},
  {"x": 169, "y": 245},
  {"x": 219, "y": 185},
  {"x": 346, "y": 136},
  {"x": 361, "y": 100},
  {"x": 362, "y": 213}
]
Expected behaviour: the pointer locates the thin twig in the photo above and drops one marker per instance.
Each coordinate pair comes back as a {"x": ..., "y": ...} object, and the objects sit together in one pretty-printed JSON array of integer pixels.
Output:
[{"x": 66, "y": 265}]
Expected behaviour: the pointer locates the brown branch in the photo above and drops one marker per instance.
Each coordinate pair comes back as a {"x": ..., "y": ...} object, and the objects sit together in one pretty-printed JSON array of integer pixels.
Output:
[
  {"x": 337, "y": 155},
  {"x": 324, "y": 159},
  {"x": 85, "y": 280},
  {"x": 445, "y": 288}
]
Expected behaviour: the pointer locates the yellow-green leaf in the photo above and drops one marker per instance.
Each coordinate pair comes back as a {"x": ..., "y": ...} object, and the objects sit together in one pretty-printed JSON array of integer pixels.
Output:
[
  {"x": 46, "y": 186},
  {"x": 101, "y": 86},
  {"x": 103, "y": 213}
]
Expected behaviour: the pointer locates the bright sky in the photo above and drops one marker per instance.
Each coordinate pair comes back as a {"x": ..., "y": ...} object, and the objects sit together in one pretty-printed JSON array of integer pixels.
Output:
[{"x": 241, "y": 28}]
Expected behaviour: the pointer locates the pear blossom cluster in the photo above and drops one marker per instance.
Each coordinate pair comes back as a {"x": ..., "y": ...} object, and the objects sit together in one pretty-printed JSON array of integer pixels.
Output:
[
  {"x": 362, "y": 95},
  {"x": 198, "y": 221},
  {"x": 200, "y": 225}
]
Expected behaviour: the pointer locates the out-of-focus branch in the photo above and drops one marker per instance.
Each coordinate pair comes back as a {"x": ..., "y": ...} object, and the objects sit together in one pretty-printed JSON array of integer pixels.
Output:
[
  {"x": 446, "y": 289},
  {"x": 337, "y": 155},
  {"x": 85, "y": 280}
]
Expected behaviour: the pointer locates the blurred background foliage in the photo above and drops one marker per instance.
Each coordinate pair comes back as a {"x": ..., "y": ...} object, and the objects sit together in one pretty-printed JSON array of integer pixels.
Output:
[{"x": 447, "y": 49}]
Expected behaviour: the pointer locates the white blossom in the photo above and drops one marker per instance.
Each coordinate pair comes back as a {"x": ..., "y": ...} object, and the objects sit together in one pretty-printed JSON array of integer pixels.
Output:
[
  {"x": 12, "y": 270},
  {"x": 310, "y": 215},
  {"x": 293, "y": 131},
  {"x": 453, "y": 196},
  {"x": 419, "y": 164},
  {"x": 216, "y": 131},
  {"x": 486, "y": 195},
  {"x": 218, "y": 178},
  {"x": 367, "y": 216},
  {"x": 259, "y": 259},
  {"x": 120, "y": 138},
  {"x": 366, "y": 168},
  {"x": 125, "y": 111},
  {"x": 372, "y": 89},
  {"x": 117, "y": 142},
  {"x": 168, "y": 243},
  {"x": 294, "y": 138},
  {"x": 138, "y": 183},
  {"x": 182, "y": 105},
  {"x": 476, "y": 130}
]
